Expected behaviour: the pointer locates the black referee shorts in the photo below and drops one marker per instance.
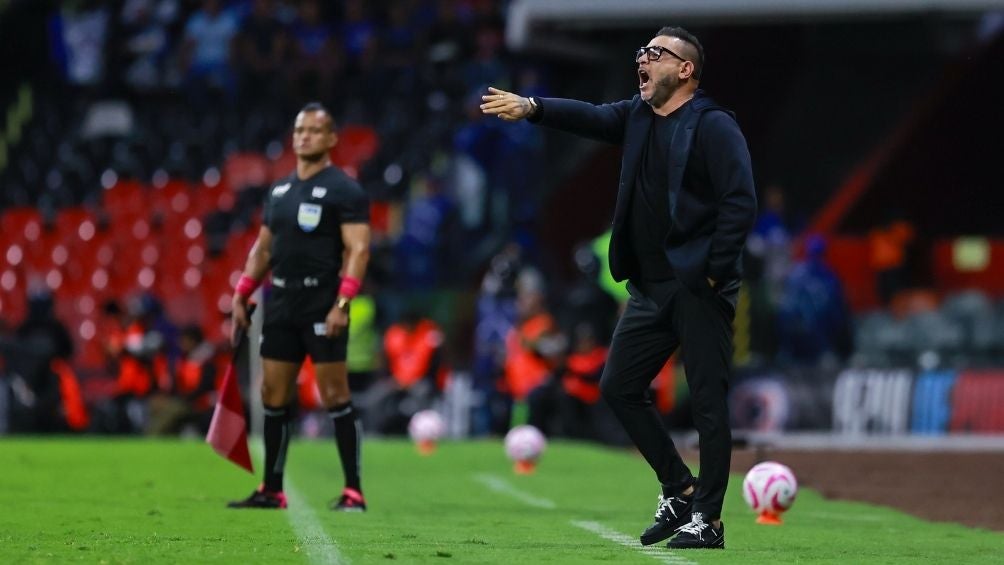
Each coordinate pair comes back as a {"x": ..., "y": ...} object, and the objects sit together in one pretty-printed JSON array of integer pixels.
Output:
[{"x": 294, "y": 328}]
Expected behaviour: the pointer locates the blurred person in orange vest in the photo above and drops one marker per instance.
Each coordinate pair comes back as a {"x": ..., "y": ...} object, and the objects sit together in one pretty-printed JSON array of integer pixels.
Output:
[
  {"x": 535, "y": 344},
  {"x": 564, "y": 404},
  {"x": 416, "y": 372},
  {"x": 137, "y": 351},
  {"x": 45, "y": 351},
  {"x": 889, "y": 247},
  {"x": 189, "y": 398}
]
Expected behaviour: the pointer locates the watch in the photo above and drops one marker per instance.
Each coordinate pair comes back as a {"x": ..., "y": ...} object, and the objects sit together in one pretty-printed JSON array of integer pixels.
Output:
[
  {"x": 343, "y": 303},
  {"x": 534, "y": 108}
]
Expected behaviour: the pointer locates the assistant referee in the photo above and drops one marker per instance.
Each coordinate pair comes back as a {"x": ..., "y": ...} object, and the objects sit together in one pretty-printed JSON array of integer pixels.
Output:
[{"x": 315, "y": 241}]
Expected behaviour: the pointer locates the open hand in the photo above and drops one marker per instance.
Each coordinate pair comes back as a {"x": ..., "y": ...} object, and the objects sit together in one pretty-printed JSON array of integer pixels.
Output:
[{"x": 506, "y": 105}]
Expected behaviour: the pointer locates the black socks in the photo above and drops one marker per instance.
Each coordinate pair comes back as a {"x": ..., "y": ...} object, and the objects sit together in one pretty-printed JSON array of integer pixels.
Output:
[
  {"x": 348, "y": 434},
  {"x": 277, "y": 435}
]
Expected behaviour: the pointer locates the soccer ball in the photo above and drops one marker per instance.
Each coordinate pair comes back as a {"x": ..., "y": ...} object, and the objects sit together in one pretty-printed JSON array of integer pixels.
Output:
[
  {"x": 425, "y": 429},
  {"x": 769, "y": 489},
  {"x": 523, "y": 445}
]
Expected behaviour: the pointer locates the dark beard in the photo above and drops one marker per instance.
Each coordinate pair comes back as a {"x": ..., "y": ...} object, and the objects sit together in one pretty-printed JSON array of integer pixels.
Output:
[
  {"x": 663, "y": 91},
  {"x": 315, "y": 158}
]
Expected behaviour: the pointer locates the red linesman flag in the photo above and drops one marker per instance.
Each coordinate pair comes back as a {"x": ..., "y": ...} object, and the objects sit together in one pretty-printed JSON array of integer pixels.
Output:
[{"x": 228, "y": 429}]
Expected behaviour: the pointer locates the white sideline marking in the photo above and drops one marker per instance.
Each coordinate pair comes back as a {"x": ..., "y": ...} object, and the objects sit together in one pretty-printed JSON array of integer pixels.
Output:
[
  {"x": 656, "y": 552},
  {"x": 500, "y": 485},
  {"x": 314, "y": 541}
]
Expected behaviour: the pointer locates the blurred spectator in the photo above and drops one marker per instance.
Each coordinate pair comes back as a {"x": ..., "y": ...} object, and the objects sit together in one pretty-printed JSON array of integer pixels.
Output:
[
  {"x": 534, "y": 346},
  {"x": 358, "y": 33},
  {"x": 449, "y": 42},
  {"x": 814, "y": 322},
  {"x": 770, "y": 242},
  {"x": 146, "y": 41},
  {"x": 495, "y": 317},
  {"x": 890, "y": 245},
  {"x": 46, "y": 394},
  {"x": 586, "y": 302},
  {"x": 206, "y": 52},
  {"x": 486, "y": 67},
  {"x": 399, "y": 44},
  {"x": 137, "y": 353},
  {"x": 416, "y": 373},
  {"x": 316, "y": 57},
  {"x": 188, "y": 403},
  {"x": 423, "y": 250},
  {"x": 42, "y": 334},
  {"x": 260, "y": 47},
  {"x": 617, "y": 290},
  {"x": 79, "y": 32},
  {"x": 566, "y": 403}
]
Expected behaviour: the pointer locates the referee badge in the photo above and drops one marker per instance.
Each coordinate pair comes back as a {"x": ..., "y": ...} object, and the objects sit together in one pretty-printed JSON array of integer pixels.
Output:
[{"x": 308, "y": 216}]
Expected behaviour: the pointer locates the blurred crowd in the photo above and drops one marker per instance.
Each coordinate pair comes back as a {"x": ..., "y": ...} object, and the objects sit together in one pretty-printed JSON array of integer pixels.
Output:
[{"x": 152, "y": 90}]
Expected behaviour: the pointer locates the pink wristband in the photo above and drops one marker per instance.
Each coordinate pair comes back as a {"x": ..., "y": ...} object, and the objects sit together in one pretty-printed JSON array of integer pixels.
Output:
[
  {"x": 349, "y": 287},
  {"x": 246, "y": 286}
]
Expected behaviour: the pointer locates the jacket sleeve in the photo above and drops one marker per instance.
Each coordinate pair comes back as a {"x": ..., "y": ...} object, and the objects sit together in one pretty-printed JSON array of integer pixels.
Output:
[
  {"x": 602, "y": 122},
  {"x": 731, "y": 174}
]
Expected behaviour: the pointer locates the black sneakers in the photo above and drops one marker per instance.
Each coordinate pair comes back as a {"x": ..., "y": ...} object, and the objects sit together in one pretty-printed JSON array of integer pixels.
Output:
[
  {"x": 672, "y": 513},
  {"x": 698, "y": 534},
  {"x": 261, "y": 498},
  {"x": 350, "y": 501}
]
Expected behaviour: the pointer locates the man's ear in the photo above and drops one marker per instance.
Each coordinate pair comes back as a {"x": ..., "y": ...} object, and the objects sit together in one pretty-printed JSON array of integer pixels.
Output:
[{"x": 687, "y": 70}]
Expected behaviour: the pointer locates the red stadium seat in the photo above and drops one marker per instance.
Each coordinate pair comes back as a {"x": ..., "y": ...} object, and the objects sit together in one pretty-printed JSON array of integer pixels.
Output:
[
  {"x": 75, "y": 224},
  {"x": 208, "y": 199},
  {"x": 242, "y": 170},
  {"x": 356, "y": 145},
  {"x": 173, "y": 198},
  {"x": 125, "y": 199},
  {"x": 17, "y": 220}
]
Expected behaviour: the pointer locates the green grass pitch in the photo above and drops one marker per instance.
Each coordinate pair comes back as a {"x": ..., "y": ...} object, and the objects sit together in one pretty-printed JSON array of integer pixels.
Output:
[{"x": 147, "y": 501}]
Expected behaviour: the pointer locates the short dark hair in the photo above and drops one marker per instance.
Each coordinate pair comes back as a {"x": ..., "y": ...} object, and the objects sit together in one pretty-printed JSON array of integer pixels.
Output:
[
  {"x": 684, "y": 35},
  {"x": 318, "y": 107}
]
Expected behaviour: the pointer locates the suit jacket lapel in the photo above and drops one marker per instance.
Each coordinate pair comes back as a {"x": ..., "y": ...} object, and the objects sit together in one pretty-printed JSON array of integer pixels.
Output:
[
  {"x": 637, "y": 136},
  {"x": 679, "y": 151}
]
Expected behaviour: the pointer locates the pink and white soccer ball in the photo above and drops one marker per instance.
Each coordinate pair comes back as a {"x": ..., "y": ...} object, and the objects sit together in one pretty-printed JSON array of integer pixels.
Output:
[
  {"x": 770, "y": 487},
  {"x": 524, "y": 443},
  {"x": 426, "y": 426}
]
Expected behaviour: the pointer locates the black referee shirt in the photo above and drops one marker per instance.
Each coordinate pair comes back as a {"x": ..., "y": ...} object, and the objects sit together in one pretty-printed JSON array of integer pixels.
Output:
[{"x": 305, "y": 218}]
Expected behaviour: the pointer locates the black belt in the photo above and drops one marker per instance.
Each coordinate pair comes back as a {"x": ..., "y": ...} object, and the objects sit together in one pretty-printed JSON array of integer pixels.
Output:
[{"x": 298, "y": 283}]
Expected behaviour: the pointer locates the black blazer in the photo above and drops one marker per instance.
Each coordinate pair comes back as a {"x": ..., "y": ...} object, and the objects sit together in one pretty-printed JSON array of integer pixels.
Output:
[{"x": 712, "y": 201}]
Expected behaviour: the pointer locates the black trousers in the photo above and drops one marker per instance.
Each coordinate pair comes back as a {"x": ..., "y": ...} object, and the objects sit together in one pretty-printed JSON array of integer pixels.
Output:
[{"x": 659, "y": 318}]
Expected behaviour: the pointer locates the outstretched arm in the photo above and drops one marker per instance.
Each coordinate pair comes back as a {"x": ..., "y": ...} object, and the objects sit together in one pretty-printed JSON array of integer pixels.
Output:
[{"x": 603, "y": 122}]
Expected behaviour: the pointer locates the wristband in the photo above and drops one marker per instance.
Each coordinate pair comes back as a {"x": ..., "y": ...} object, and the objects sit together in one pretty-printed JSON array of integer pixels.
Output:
[
  {"x": 246, "y": 286},
  {"x": 349, "y": 287}
]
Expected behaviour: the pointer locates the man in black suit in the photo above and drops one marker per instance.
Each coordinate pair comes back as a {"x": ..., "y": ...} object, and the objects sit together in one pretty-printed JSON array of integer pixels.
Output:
[{"x": 685, "y": 205}]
